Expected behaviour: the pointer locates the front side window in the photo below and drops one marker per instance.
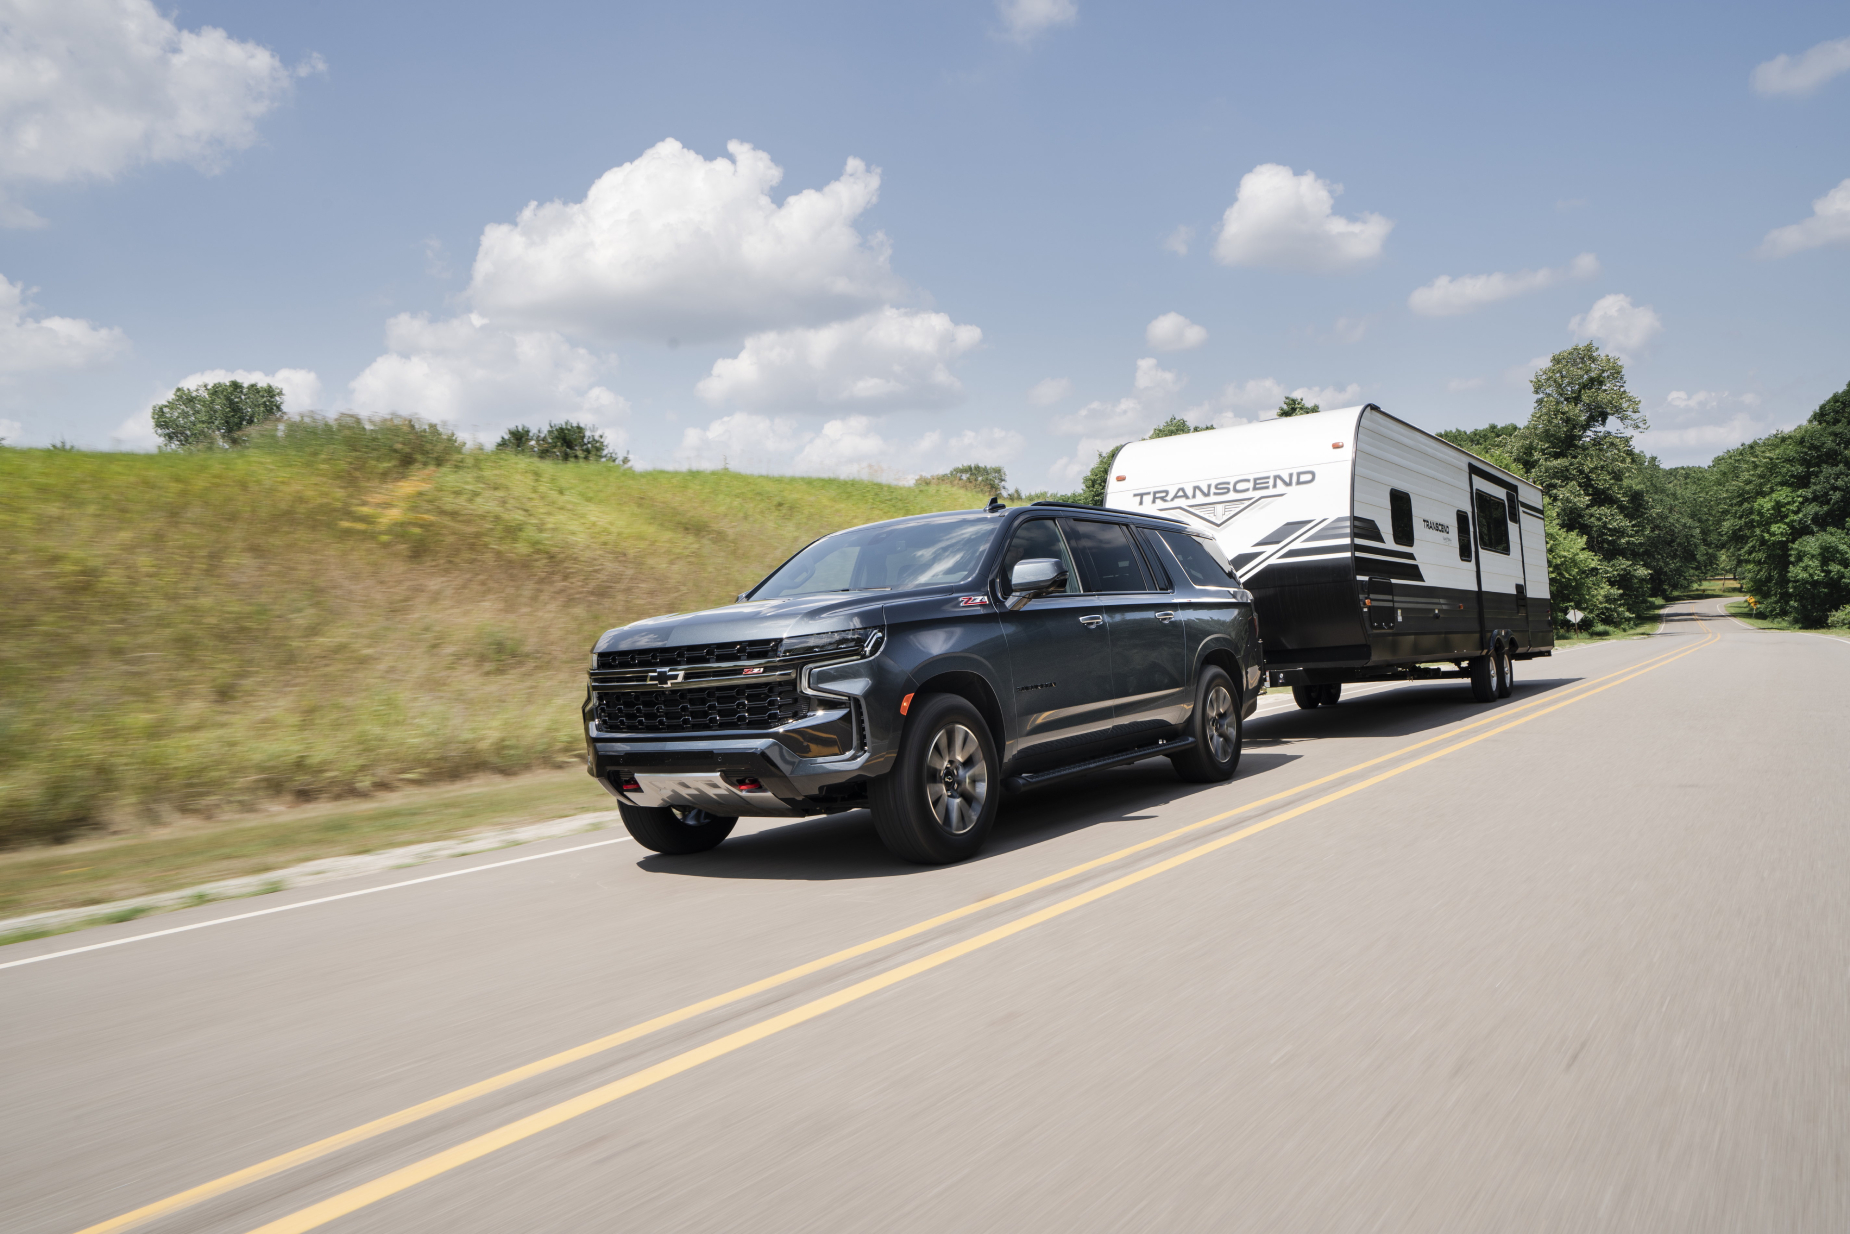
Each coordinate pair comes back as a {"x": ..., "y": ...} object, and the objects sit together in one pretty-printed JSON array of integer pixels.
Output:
[
  {"x": 1400, "y": 511},
  {"x": 1200, "y": 560},
  {"x": 1493, "y": 524},
  {"x": 884, "y": 557},
  {"x": 1038, "y": 537},
  {"x": 1108, "y": 561}
]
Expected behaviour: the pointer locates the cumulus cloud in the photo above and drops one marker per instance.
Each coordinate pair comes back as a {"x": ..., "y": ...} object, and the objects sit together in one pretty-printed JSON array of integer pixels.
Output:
[
  {"x": 1617, "y": 324},
  {"x": 1245, "y": 402},
  {"x": 482, "y": 377},
  {"x": 1049, "y": 390},
  {"x": 36, "y": 344},
  {"x": 1695, "y": 425},
  {"x": 1025, "y": 20},
  {"x": 9, "y": 431},
  {"x": 1177, "y": 241},
  {"x": 850, "y": 445},
  {"x": 301, "y": 392},
  {"x": 1174, "y": 332},
  {"x": 1829, "y": 224},
  {"x": 1805, "y": 72},
  {"x": 95, "y": 87},
  {"x": 1155, "y": 386},
  {"x": 1286, "y": 220},
  {"x": 889, "y": 359},
  {"x": 1446, "y": 296},
  {"x": 672, "y": 246}
]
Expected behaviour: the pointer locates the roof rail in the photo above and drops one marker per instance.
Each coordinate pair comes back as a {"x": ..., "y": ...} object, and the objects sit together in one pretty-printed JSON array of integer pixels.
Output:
[{"x": 1080, "y": 505}]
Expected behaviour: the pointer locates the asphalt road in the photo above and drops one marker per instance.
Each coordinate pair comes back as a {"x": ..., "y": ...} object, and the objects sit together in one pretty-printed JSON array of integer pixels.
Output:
[{"x": 1578, "y": 960}]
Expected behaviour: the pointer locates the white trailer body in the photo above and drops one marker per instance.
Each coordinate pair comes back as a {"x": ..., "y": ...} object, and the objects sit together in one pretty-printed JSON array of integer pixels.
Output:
[{"x": 1369, "y": 545}]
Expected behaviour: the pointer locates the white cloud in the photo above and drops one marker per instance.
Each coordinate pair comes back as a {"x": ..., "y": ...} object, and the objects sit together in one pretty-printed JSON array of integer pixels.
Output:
[
  {"x": 1105, "y": 418},
  {"x": 885, "y": 360},
  {"x": 742, "y": 441},
  {"x": 33, "y": 344},
  {"x": 1617, "y": 324},
  {"x": 672, "y": 246},
  {"x": 1283, "y": 219},
  {"x": 1829, "y": 224},
  {"x": 1174, "y": 332},
  {"x": 976, "y": 445},
  {"x": 1049, "y": 390},
  {"x": 1026, "y": 19},
  {"x": 1805, "y": 72},
  {"x": 1524, "y": 374},
  {"x": 9, "y": 431},
  {"x": 1458, "y": 385},
  {"x": 1153, "y": 381},
  {"x": 1351, "y": 329},
  {"x": 482, "y": 377},
  {"x": 1177, "y": 241},
  {"x": 95, "y": 87},
  {"x": 1261, "y": 397},
  {"x": 851, "y": 445},
  {"x": 1446, "y": 296}
]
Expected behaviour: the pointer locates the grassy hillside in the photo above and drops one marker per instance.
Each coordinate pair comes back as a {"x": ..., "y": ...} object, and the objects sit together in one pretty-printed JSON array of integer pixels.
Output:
[{"x": 346, "y": 609}]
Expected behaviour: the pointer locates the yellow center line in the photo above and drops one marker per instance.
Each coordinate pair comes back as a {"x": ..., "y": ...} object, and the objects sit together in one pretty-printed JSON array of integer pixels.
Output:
[
  {"x": 359, "y": 1197},
  {"x": 436, "y": 1105}
]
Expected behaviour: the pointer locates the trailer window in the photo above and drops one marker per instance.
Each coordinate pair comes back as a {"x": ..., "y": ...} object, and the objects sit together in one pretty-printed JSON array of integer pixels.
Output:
[
  {"x": 1400, "y": 509},
  {"x": 1464, "y": 536},
  {"x": 1108, "y": 561},
  {"x": 1493, "y": 524},
  {"x": 1198, "y": 561}
]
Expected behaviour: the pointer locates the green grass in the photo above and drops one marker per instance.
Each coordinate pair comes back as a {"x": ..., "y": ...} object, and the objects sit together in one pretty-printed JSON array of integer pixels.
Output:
[
  {"x": 108, "y": 868},
  {"x": 187, "y": 635},
  {"x": 1742, "y": 610}
]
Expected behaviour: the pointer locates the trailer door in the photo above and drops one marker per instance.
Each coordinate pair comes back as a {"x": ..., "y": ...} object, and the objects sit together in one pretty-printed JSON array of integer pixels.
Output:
[{"x": 1502, "y": 602}]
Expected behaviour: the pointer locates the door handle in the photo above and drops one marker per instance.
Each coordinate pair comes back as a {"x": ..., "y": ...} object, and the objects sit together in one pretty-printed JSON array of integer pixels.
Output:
[
  {"x": 1092, "y": 621},
  {"x": 1165, "y": 616}
]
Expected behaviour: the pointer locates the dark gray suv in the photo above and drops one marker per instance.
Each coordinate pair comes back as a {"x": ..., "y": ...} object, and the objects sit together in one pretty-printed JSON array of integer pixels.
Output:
[{"x": 919, "y": 667}]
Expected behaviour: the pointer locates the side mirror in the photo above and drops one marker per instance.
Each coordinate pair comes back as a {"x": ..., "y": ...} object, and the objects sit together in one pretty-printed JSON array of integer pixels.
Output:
[
  {"x": 1035, "y": 576},
  {"x": 740, "y": 598}
]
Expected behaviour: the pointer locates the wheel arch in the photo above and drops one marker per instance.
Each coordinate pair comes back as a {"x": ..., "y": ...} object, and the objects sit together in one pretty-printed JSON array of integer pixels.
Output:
[{"x": 974, "y": 689}]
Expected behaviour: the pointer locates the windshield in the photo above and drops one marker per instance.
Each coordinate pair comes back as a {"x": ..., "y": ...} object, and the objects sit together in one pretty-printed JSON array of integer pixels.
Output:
[{"x": 883, "y": 557}]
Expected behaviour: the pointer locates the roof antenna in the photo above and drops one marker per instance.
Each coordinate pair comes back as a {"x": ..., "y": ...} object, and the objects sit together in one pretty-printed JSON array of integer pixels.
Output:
[{"x": 995, "y": 505}]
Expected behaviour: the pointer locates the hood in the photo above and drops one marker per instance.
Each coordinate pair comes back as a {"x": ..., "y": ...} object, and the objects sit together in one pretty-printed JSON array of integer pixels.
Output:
[{"x": 753, "y": 620}]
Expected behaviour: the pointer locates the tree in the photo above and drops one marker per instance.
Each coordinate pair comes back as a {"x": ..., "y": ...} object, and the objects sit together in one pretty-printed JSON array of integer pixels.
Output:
[
  {"x": 990, "y": 481},
  {"x": 1818, "y": 579},
  {"x": 569, "y": 442},
  {"x": 1295, "y": 406},
  {"x": 1092, "y": 488},
  {"x": 1176, "y": 426},
  {"x": 214, "y": 416}
]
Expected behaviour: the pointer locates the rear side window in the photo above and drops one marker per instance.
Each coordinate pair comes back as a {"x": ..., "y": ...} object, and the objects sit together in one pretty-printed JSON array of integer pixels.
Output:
[
  {"x": 1400, "y": 512},
  {"x": 1493, "y": 524},
  {"x": 1197, "y": 561},
  {"x": 1108, "y": 561},
  {"x": 1464, "y": 536}
]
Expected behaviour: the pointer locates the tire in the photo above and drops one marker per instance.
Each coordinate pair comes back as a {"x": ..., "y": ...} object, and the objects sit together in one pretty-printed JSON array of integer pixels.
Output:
[
  {"x": 1307, "y": 697},
  {"x": 1483, "y": 679},
  {"x": 675, "y": 831},
  {"x": 1504, "y": 674},
  {"x": 1331, "y": 693},
  {"x": 1217, "y": 728},
  {"x": 939, "y": 802}
]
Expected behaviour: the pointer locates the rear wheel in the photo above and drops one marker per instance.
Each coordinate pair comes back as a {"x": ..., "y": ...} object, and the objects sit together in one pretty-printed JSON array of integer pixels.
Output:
[
  {"x": 674, "y": 830},
  {"x": 1483, "y": 679},
  {"x": 1504, "y": 675},
  {"x": 939, "y": 802},
  {"x": 1307, "y": 697},
  {"x": 1331, "y": 693},
  {"x": 1217, "y": 729}
]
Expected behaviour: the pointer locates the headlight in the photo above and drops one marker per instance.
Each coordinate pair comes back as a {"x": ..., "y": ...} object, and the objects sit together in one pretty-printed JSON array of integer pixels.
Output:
[{"x": 834, "y": 642}]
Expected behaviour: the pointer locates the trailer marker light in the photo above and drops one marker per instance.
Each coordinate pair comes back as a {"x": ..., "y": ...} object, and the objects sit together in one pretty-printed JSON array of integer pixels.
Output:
[
  {"x": 905, "y": 704},
  {"x": 1120, "y": 479},
  {"x": 1336, "y": 445}
]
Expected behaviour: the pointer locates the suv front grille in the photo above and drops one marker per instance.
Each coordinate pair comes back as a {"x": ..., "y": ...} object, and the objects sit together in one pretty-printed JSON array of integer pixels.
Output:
[
  {"x": 675, "y": 657},
  {"x": 718, "y": 708}
]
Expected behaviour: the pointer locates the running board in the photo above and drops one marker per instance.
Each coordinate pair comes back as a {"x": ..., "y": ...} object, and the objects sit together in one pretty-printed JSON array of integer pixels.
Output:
[{"x": 1036, "y": 779}]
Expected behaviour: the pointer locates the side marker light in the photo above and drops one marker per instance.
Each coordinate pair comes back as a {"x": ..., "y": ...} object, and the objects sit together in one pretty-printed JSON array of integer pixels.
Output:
[
  {"x": 1336, "y": 445},
  {"x": 905, "y": 704},
  {"x": 1120, "y": 479}
]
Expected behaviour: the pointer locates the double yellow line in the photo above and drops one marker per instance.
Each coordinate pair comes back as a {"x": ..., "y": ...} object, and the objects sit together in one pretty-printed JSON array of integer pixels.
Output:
[{"x": 368, "y": 1193}]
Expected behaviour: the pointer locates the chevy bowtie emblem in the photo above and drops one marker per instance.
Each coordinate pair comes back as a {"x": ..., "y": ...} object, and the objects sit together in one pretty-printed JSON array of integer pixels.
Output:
[{"x": 665, "y": 676}]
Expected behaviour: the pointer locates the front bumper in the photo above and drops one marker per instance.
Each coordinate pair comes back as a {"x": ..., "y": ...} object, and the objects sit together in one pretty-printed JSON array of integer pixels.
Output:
[{"x": 719, "y": 775}]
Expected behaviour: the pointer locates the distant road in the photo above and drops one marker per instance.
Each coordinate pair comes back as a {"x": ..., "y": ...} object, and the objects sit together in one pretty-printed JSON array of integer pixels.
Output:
[{"x": 1578, "y": 960}]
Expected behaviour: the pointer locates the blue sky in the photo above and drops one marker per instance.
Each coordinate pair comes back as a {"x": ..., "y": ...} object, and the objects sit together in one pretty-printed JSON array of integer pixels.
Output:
[{"x": 1041, "y": 184}]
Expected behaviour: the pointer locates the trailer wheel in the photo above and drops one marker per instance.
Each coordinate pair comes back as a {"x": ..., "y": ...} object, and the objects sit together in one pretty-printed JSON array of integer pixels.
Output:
[
  {"x": 1483, "y": 679},
  {"x": 672, "y": 831},
  {"x": 1217, "y": 729},
  {"x": 1504, "y": 673},
  {"x": 1307, "y": 697}
]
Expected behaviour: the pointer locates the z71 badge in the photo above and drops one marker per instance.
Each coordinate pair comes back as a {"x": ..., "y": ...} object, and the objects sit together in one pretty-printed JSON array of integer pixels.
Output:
[{"x": 972, "y": 601}]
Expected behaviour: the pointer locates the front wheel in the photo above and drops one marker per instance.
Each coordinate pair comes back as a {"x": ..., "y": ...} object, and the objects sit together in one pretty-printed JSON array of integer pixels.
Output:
[
  {"x": 675, "y": 831},
  {"x": 1483, "y": 678},
  {"x": 1505, "y": 676},
  {"x": 1217, "y": 729},
  {"x": 939, "y": 802}
]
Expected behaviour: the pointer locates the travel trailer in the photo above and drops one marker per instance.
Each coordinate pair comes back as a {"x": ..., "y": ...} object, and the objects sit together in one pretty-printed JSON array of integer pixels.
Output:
[{"x": 1374, "y": 550}]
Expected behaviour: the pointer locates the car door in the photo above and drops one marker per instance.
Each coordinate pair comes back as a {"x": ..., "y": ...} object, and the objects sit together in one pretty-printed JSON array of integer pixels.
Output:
[
  {"x": 1147, "y": 644},
  {"x": 1059, "y": 649}
]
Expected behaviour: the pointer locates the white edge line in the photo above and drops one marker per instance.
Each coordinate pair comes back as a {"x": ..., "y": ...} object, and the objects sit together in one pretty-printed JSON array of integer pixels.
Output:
[{"x": 283, "y": 908}]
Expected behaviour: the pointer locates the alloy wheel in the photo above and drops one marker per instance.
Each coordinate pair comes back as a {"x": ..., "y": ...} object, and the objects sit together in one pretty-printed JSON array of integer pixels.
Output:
[
  {"x": 1218, "y": 714},
  {"x": 956, "y": 779}
]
